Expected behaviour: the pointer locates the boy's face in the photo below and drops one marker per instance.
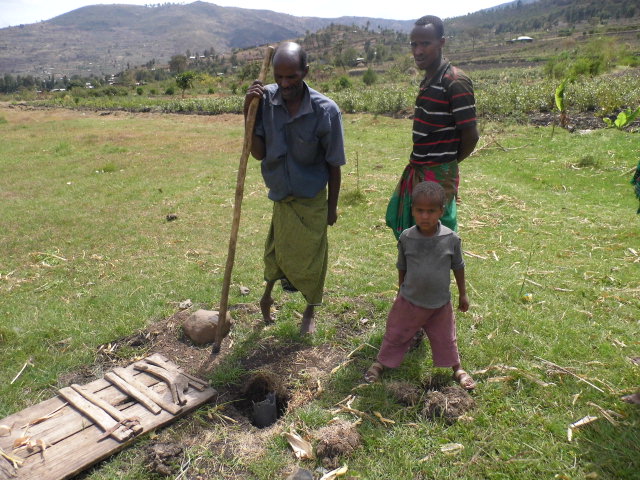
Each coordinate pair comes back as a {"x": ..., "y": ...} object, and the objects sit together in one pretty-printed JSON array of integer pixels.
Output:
[{"x": 426, "y": 213}]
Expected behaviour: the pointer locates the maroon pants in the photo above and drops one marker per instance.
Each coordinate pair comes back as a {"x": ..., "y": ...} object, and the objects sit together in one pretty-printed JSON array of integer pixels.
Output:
[{"x": 404, "y": 321}]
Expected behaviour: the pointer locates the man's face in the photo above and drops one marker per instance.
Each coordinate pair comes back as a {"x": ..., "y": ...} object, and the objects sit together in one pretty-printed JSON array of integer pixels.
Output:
[
  {"x": 426, "y": 47},
  {"x": 288, "y": 74}
]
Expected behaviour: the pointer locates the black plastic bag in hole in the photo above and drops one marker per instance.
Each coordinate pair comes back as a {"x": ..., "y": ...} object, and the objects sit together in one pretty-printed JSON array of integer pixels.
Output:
[{"x": 265, "y": 412}]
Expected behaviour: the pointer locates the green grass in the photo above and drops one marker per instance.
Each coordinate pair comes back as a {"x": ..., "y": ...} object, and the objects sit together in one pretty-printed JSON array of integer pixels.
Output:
[{"x": 88, "y": 257}]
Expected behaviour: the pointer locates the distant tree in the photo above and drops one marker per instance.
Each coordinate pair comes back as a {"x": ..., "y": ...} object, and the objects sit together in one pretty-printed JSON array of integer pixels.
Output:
[
  {"x": 185, "y": 80},
  {"x": 250, "y": 71},
  {"x": 178, "y": 64},
  {"x": 382, "y": 54},
  {"x": 349, "y": 56}
]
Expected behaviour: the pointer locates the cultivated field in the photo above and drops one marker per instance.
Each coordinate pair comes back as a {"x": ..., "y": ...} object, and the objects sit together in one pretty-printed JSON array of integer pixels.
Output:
[{"x": 92, "y": 275}]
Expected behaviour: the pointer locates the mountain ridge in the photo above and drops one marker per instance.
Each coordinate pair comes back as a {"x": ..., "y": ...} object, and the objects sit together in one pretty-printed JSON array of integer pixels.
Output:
[{"x": 105, "y": 39}]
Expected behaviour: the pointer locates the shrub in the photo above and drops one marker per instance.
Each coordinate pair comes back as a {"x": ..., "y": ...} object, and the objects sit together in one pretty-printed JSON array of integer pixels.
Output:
[
  {"x": 343, "y": 83},
  {"x": 169, "y": 91},
  {"x": 369, "y": 77}
]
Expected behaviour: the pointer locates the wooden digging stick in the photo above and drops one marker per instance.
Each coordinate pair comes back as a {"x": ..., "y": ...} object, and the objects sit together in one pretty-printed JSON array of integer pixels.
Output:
[{"x": 223, "y": 325}]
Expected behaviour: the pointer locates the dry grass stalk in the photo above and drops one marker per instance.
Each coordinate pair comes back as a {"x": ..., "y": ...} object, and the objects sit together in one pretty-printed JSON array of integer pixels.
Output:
[
  {"x": 26, "y": 426},
  {"x": 475, "y": 255},
  {"x": 578, "y": 424},
  {"x": 301, "y": 448},
  {"x": 360, "y": 347},
  {"x": 503, "y": 368},
  {"x": 338, "y": 472},
  {"x": 353, "y": 411},
  {"x": 607, "y": 414},
  {"x": 15, "y": 461},
  {"x": 26, "y": 364},
  {"x": 451, "y": 448},
  {"x": 562, "y": 369},
  {"x": 344, "y": 364},
  {"x": 384, "y": 421}
]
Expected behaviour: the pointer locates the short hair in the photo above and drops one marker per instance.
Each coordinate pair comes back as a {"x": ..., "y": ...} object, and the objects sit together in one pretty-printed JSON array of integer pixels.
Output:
[
  {"x": 432, "y": 190},
  {"x": 293, "y": 47},
  {"x": 432, "y": 20}
]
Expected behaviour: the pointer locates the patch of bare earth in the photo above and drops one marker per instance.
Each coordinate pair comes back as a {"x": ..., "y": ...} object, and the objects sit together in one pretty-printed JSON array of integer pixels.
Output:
[
  {"x": 217, "y": 439},
  {"x": 449, "y": 404},
  {"x": 336, "y": 441}
]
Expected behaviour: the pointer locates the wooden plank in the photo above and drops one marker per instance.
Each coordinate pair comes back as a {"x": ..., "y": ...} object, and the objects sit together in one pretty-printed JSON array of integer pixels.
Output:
[
  {"x": 67, "y": 421},
  {"x": 176, "y": 381},
  {"x": 106, "y": 406},
  {"x": 135, "y": 383},
  {"x": 68, "y": 458},
  {"x": 95, "y": 413},
  {"x": 161, "y": 361},
  {"x": 133, "y": 392},
  {"x": 76, "y": 442}
]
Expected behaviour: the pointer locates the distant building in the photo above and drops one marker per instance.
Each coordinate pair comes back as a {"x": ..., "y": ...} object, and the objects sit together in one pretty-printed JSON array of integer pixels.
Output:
[{"x": 521, "y": 39}]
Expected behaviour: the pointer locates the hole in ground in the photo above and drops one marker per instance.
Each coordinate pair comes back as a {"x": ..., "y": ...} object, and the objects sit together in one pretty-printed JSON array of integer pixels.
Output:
[{"x": 263, "y": 398}]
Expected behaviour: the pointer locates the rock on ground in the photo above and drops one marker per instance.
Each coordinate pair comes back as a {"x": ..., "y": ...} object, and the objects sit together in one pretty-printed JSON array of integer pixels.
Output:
[{"x": 202, "y": 325}]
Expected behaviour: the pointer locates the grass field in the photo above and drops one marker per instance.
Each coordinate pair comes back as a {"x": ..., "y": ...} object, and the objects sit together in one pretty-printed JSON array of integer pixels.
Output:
[{"x": 88, "y": 258}]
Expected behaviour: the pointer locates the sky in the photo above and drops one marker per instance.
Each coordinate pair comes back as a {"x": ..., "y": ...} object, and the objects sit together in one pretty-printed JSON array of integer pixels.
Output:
[{"x": 16, "y": 12}]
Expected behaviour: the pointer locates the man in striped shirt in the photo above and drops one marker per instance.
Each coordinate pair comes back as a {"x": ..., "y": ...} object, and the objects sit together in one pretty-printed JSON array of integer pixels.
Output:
[{"x": 444, "y": 126}]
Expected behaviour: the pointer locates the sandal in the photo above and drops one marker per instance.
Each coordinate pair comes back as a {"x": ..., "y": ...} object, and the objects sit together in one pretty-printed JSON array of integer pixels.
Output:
[
  {"x": 464, "y": 379},
  {"x": 373, "y": 374},
  {"x": 634, "y": 398}
]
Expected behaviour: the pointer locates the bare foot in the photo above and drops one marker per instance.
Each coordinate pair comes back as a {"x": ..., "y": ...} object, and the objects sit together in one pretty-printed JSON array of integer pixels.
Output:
[
  {"x": 308, "y": 324},
  {"x": 635, "y": 398},
  {"x": 265, "y": 308}
]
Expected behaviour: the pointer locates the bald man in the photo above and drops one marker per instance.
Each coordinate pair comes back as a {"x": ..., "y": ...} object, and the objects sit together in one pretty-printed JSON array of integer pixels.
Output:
[{"x": 298, "y": 139}]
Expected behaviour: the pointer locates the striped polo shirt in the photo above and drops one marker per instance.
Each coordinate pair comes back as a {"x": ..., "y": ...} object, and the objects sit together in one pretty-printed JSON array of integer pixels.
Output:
[{"x": 443, "y": 108}]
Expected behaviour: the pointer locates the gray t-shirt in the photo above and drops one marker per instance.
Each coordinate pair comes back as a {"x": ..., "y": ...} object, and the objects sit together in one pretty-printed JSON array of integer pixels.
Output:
[{"x": 428, "y": 262}]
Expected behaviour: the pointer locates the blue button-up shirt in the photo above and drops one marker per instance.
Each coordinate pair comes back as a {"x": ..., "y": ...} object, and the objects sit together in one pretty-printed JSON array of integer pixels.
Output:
[{"x": 299, "y": 149}]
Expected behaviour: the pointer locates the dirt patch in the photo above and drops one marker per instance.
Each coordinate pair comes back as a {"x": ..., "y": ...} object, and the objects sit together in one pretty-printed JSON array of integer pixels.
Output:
[
  {"x": 450, "y": 404},
  {"x": 294, "y": 370},
  {"x": 163, "y": 458},
  {"x": 405, "y": 393},
  {"x": 577, "y": 121},
  {"x": 336, "y": 441}
]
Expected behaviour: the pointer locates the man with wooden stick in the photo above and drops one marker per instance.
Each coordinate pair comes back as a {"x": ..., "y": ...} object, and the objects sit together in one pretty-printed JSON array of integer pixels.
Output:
[{"x": 298, "y": 139}]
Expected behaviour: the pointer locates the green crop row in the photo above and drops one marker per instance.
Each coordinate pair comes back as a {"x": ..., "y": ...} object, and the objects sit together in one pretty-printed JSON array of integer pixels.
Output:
[{"x": 501, "y": 93}]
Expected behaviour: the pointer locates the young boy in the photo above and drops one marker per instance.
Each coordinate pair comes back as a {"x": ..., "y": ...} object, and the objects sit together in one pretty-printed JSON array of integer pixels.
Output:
[{"x": 426, "y": 253}]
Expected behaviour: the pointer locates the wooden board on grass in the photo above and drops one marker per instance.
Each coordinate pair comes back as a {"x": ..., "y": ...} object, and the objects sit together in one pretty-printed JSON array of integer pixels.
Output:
[{"x": 56, "y": 440}]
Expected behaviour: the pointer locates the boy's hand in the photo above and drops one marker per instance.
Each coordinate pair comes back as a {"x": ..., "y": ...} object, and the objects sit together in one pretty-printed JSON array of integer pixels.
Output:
[{"x": 463, "y": 303}]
